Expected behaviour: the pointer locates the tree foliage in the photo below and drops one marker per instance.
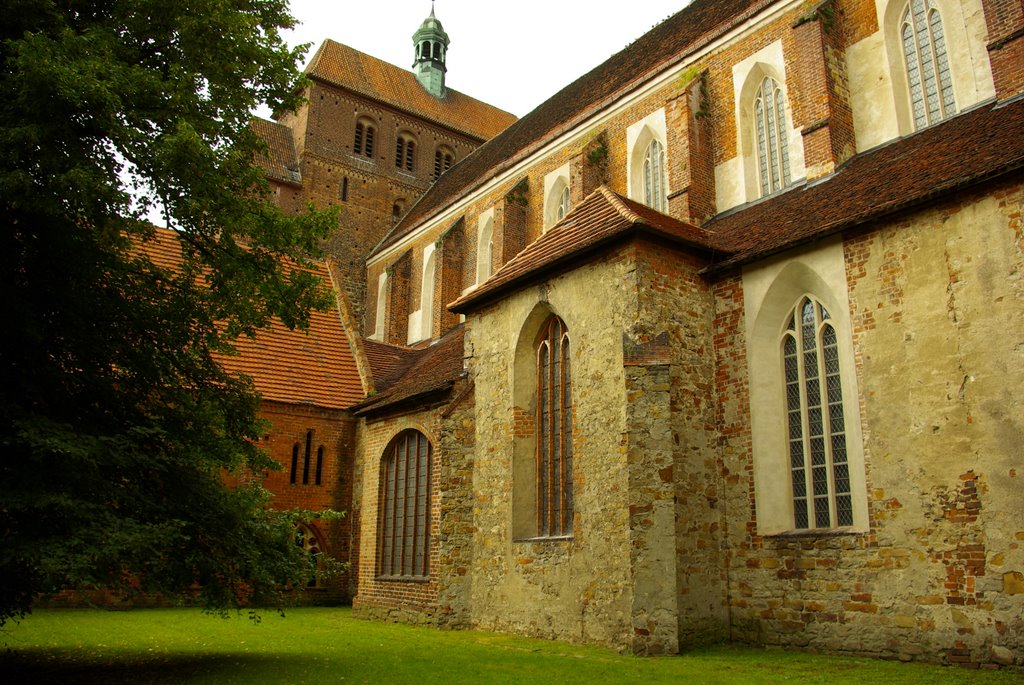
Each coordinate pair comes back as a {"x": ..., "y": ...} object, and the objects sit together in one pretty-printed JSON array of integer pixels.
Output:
[{"x": 116, "y": 423}]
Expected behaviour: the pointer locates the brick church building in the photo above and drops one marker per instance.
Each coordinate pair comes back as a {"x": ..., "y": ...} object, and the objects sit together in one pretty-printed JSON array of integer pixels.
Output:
[{"x": 720, "y": 342}]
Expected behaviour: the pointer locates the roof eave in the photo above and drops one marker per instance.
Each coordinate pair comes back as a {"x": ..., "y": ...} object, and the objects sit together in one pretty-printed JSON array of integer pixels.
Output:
[
  {"x": 481, "y": 298},
  {"x": 876, "y": 214}
]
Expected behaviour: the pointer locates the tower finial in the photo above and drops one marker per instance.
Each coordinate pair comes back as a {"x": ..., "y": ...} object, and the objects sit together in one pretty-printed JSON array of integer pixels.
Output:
[{"x": 431, "y": 45}]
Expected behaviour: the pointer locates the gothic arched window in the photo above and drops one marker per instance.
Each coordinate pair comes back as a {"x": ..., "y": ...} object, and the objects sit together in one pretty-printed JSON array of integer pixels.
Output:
[
  {"x": 771, "y": 136},
  {"x": 819, "y": 468},
  {"x": 654, "y": 177},
  {"x": 924, "y": 56},
  {"x": 554, "y": 500}
]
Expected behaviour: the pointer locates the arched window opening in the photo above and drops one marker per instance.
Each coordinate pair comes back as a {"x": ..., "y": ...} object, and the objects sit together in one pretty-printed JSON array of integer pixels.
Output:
[
  {"x": 654, "y": 177},
  {"x": 427, "y": 295},
  {"x": 305, "y": 461},
  {"x": 307, "y": 540},
  {"x": 554, "y": 499},
  {"x": 926, "y": 62},
  {"x": 403, "y": 526},
  {"x": 364, "y": 138},
  {"x": 295, "y": 463},
  {"x": 443, "y": 160},
  {"x": 343, "y": 191},
  {"x": 405, "y": 152},
  {"x": 485, "y": 251},
  {"x": 819, "y": 468},
  {"x": 319, "y": 464},
  {"x": 771, "y": 136},
  {"x": 563, "y": 204}
]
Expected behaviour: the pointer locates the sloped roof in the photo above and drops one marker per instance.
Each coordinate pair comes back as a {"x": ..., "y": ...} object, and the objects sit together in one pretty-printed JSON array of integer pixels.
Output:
[
  {"x": 387, "y": 362},
  {"x": 427, "y": 371},
  {"x": 314, "y": 367},
  {"x": 665, "y": 44},
  {"x": 378, "y": 80},
  {"x": 972, "y": 147},
  {"x": 281, "y": 160},
  {"x": 602, "y": 218}
]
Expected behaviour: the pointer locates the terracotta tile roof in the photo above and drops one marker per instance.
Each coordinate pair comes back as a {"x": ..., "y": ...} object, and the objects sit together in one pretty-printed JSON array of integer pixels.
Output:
[
  {"x": 601, "y": 219},
  {"x": 281, "y": 160},
  {"x": 291, "y": 366},
  {"x": 432, "y": 370},
  {"x": 967, "y": 149},
  {"x": 370, "y": 77},
  {"x": 387, "y": 362},
  {"x": 665, "y": 44}
]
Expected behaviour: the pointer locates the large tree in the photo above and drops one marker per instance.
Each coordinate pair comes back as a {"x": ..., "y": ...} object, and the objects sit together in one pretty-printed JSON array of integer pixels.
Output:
[{"x": 116, "y": 424}]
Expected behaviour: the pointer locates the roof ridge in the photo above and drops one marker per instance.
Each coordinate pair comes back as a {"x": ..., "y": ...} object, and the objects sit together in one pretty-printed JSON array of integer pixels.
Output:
[{"x": 617, "y": 202}]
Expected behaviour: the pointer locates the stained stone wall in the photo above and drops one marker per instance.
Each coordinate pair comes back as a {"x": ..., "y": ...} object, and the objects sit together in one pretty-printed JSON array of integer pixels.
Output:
[
  {"x": 936, "y": 314},
  {"x": 642, "y": 569}
]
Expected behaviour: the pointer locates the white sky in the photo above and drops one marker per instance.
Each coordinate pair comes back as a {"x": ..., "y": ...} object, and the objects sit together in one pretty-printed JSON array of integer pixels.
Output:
[{"x": 513, "y": 55}]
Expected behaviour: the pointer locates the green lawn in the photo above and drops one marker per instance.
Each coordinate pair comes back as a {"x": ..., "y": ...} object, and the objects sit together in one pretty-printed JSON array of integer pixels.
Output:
[{"x": 329, "y": 646}]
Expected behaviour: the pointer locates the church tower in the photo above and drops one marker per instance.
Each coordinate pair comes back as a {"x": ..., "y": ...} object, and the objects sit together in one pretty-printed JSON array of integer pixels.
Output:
[{"x": 431, "y": 44}]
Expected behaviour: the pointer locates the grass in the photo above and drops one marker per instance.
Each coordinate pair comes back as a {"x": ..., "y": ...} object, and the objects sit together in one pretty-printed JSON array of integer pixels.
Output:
[{"x": 313, "y": 645}]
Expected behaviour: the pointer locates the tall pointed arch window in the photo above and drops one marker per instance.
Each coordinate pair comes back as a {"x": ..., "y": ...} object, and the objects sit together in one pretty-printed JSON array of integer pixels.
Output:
[
  {"x": 403, "y": 525},
  {"x": 554, "y": 499},
  {"x": 654, "y": 177},
  {"x": 563, "y": 204},
  {"x": 819, "y": 468},
  {"x": 771, "y": 136},
  {"x": 924, "y": 55}
]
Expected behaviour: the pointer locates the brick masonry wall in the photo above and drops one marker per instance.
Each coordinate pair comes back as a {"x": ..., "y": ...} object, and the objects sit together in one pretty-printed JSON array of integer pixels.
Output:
[
  {"x": 936, "y": 304},
  {"x": 335, "y": 432},
  {"x": 439, "y": 599},
  {"x": 371, "y": 193}
]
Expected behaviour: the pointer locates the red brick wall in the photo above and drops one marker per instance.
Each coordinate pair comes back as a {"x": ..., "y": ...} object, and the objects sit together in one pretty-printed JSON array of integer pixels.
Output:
[
  {"x": 379, "y": 597},
  {"x": 335, "y": 432}
]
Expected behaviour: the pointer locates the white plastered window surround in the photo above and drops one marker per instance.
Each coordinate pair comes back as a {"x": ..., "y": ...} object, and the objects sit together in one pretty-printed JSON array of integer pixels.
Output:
[
  {"x": 639, "y": 139},
  {"x": 556, "y": 196},
  {"x": 421, "y": 322},
  {"x": 771, "y": 291},
  {"x": 381, "y": 309},
  {"x": 484, "y": 245},
  {"x": 748, "y": 81},
  {"x": 952, "y": 36}
]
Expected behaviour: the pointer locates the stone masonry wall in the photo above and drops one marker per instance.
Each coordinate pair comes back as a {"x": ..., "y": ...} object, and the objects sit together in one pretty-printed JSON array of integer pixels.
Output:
[
  {"x": 676, "y": 306},
  {"x": 937, "y": 307},
  {"x": 580, "y": 588}
]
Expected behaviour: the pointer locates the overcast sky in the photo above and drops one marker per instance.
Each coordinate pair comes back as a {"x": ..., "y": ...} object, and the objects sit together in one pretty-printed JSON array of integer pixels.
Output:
[{"x": 513, "y": 55}]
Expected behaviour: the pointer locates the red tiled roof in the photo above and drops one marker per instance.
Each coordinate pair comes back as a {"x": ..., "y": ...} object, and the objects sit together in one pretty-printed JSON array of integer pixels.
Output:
[
  {"x": 972, "y": 147},
  {"x": 387, "y": 362},
  {"x": 314, "y": 367},
  {"x": 370, "y": 77},
  {"x": 602, "y": 218},
  {"x": 282, "y": 160},
  {"x": 433, "y": 369},
  {"x": 667, "y": 43}
]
